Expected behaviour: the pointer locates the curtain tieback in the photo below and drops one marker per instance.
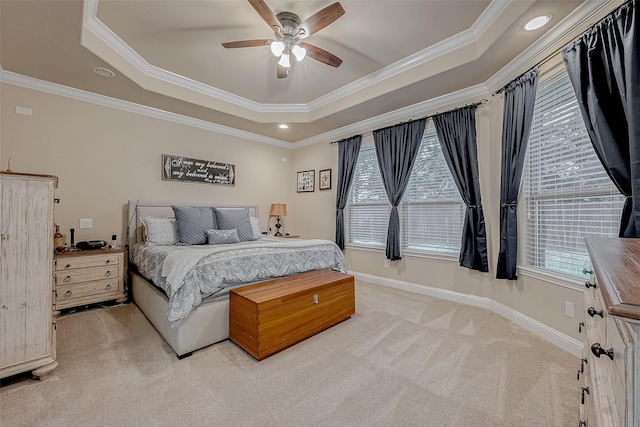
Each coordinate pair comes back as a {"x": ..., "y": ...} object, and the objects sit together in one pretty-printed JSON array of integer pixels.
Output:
[
  {"x": 509, "y": 205},
  {"x": 472, "y": 207}
]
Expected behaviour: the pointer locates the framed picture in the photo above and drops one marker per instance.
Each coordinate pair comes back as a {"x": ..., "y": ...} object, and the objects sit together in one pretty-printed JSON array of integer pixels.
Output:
[
  {"x": 306, "y": 180},
  {"x": 324, "y": 180}
]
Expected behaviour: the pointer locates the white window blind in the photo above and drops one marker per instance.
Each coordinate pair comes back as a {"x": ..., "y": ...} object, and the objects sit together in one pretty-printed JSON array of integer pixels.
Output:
[
  {"x": 567, "y": 193},
  {"x": 432, "y": 209},
  {"x": 368, "y": 206}
]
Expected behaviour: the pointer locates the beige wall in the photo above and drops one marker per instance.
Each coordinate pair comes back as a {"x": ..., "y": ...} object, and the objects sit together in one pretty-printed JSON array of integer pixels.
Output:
[
  {"x": 104, "y": 157},
  {"x": 537, "y": 299}
]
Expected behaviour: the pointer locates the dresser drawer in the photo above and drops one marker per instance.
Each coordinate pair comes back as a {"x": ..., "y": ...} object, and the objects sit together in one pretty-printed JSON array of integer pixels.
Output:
[
  {"x": 90, "y": 289},
  {"x": 87, "y": 274},
  {"x": 98, "y": 260}
]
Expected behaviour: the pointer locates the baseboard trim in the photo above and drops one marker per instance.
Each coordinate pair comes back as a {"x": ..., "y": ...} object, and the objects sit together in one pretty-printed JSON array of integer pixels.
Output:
[{"x": 565, "y": 342}]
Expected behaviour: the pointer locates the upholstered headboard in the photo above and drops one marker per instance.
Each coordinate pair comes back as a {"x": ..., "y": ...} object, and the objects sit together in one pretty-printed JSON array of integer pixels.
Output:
[{"x": 138, "y": 209}]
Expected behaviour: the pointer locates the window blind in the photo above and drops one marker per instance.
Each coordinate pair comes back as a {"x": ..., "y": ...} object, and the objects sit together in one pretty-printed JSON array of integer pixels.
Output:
[
  {"x": 568, "y": 195},
  {"x": 432, "y": 209},
  {"x": 368, "y": 207}
]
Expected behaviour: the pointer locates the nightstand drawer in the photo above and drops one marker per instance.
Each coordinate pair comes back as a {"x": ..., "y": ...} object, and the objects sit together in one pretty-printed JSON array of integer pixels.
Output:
[
  {"x": 98, "y": 260},
  {"x": 69, "y": 296},
  {"x": 87, "y": 274}
]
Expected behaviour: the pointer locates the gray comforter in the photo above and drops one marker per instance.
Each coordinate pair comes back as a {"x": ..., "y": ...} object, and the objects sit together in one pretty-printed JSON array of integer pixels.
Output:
[{"x": 188, "y": 274}]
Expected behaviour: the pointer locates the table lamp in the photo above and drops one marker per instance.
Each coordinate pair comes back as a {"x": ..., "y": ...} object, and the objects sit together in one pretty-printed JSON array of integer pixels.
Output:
[{"x": 278, "y": 210}]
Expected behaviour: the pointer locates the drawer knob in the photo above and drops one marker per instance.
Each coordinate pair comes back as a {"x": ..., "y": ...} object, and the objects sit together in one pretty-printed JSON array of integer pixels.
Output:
[
  {"x": 67, "y": 294},
  {"x": 108, "y": 287},
  {"x": 584, "y": 390},
  {"x": 108, "y": 261},
  {"x": 588, "y": 285},
  {"x": 315, "y": 299},
  {"x": 67, "y": 266},
  {"x": 587, "y": 272},
  {"x": 593, "y": 312},
  {"x": 582, "y": 424},
  {"x": 597, "y": 350},
  {"x": 67, "y": 279},
  {"x": 108, "y": 273}
]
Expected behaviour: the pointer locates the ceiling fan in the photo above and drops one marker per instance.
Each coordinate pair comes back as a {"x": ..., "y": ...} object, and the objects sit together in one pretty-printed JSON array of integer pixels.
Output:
[{"x": 289, "y": 31}]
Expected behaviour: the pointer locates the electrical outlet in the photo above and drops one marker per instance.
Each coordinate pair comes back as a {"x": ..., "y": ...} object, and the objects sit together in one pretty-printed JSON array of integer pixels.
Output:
[
  {"x": 569, "y": 309},
  {"x": 86, "y": 223},
  {"x": 386, "y": 263}
]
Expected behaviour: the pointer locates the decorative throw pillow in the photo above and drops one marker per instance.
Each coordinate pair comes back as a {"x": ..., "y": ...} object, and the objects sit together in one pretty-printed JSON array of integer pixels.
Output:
[
  {"x": 159, "y": 231},
  {"x": 221, "y": 237},
  {"x": 235, "y": 218},
  {"x": 255, "y": 225},
  {"x": 193, "y": 223}
]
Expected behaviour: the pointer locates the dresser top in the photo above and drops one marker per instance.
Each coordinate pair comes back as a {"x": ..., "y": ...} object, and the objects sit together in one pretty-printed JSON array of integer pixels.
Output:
[{"x": 616, "y": 263}]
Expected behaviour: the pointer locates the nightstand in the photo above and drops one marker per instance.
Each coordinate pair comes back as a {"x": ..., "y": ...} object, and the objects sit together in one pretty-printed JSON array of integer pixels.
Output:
[{"x": 87, "y": 277}]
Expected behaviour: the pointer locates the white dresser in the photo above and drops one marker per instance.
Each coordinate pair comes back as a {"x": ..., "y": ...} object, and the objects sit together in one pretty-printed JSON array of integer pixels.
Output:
[
  {"x": 27, "y": 328},
  {"x": 610, "y": 368}
]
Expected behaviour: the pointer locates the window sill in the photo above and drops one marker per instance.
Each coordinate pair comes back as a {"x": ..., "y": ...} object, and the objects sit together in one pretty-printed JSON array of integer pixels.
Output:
[
  {"x": 556, "y": 278},
  {"x": 411, "y": 253}
]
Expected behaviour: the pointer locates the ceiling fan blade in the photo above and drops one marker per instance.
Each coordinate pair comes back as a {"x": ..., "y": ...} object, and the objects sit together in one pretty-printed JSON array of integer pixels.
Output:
[
  {"x": 314, "y": 52},
  {"x": 283, "y": 72},
  {"x": 265, "y": 12},
  {"x": 320, "y": 19},
  {"x": 247, "y": 43}
]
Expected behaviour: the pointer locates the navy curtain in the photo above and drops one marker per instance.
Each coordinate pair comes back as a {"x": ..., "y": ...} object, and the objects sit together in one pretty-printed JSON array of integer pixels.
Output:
[
  {"x": 457, "y": 134},
  {"x": 396, "y": 150},
  {"x": 519, "y": 100},
  {"x": 348, "y": 151},
  {"x": 603, "y": 65}
]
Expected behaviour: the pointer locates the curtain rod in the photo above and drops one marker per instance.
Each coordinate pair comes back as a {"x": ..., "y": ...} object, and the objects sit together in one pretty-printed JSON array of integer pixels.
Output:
[
  {"x": 539, "y": 64},
  {"x": 370, "y": 132}
]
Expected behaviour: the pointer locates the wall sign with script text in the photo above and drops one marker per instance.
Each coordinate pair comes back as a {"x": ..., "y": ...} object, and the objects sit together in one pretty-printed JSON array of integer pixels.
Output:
[{"x": 179, "y": 168}]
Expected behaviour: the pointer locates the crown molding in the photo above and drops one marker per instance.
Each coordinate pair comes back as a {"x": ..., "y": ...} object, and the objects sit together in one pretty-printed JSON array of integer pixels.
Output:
[
  {"x": 82, "y": 95},
  {"x": 95, "y": 31}
]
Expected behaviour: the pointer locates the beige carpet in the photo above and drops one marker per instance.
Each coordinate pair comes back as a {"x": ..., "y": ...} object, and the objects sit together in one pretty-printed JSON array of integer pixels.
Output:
[{"x": 402, "y": 360}]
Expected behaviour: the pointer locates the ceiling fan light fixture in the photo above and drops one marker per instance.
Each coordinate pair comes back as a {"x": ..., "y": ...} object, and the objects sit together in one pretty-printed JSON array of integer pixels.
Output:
[
  {"x": 299, "y": 52},
  {"x": 277, "y": 47},
  {"x": 284, "y": 60}
]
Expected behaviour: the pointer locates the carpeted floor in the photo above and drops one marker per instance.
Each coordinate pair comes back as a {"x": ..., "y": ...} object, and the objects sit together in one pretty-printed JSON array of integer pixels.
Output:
[{"x": 402, "y": 360}]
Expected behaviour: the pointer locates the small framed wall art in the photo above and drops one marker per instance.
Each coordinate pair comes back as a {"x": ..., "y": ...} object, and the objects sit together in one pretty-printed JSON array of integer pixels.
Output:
[
  {"x": 324, "y": 179},
  {"x": 306, "y": 180}
]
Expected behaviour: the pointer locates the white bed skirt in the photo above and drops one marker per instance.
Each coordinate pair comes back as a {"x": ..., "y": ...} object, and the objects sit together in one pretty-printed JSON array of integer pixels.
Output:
[{"x": 206, "y": 324}]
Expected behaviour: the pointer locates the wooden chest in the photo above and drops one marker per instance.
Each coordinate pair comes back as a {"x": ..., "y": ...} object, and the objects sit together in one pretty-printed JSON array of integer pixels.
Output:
[{"x": 270, "y": 316}]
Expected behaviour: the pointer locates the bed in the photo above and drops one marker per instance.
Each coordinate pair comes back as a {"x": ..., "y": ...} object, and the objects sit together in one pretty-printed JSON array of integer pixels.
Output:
[{"x": 184, "y": 290}]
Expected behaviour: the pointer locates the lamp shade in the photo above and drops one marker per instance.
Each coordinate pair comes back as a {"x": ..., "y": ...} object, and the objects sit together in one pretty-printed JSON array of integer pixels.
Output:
[{"x": 278, "y": 209}]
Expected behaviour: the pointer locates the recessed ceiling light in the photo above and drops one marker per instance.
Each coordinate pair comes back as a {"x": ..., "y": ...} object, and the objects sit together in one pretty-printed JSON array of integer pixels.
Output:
[
  {"x": 283, "y": 126},
  {"x": 536, "y": 23},
  {"x": 103, "y": 72}
]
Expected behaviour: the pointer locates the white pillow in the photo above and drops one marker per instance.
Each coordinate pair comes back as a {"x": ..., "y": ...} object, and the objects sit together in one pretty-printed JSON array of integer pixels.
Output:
[
  {"x": 221, "y": 237},
  {"x": 255, "y": 225},
  {"x": 159, "y": 231}
]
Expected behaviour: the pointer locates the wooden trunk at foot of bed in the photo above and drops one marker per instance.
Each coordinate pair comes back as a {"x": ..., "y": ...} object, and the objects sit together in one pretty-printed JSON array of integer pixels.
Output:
[{"x": 270, "y": 316}]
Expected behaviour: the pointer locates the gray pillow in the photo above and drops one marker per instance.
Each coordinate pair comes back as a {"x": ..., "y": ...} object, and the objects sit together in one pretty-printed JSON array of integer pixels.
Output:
[
  {"x": 193, "y": 222},
  {"x": 221, "y": 237},
  {"x": 235, "y": 218}
]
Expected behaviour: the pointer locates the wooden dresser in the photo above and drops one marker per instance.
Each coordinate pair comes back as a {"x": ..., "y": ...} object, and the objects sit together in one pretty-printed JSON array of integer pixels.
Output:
[
  {"x": 87, "y": 277},
  {"x": 610, "y": 368},
  {"x": 27, "y": 328}
]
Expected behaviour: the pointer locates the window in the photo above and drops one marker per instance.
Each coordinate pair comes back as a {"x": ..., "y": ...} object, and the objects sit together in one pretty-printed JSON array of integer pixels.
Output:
[
  {"x": 432, "y": 209},
  {"x": 369, "y": 207},
  {"x": 431, "y": 212},
  {"x": 567, "y": 193}
]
